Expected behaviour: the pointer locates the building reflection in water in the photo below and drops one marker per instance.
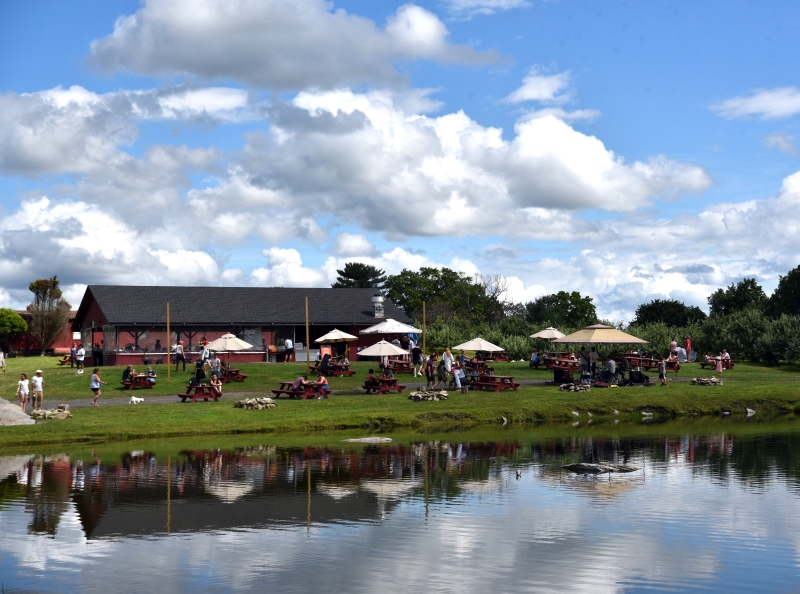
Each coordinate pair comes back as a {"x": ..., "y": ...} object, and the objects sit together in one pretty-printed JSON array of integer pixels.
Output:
[{"x": 140, "y": 494}]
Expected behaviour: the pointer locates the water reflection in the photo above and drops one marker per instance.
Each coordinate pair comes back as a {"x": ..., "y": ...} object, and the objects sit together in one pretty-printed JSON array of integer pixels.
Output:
[{"x": 488, "y": 509}]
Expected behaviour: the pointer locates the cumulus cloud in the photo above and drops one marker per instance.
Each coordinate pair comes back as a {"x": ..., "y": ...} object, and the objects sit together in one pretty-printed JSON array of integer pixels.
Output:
[
  {"x": 768, "y": 104},
  {"x": 782, "y": 142},
  {"x": 275, "y": 44},
  {"x": 352, "y": 244},
  {"x": 537, "y": 86},
  {"x": 485, "y": 6},
  {"x": 588, "y": 115}
]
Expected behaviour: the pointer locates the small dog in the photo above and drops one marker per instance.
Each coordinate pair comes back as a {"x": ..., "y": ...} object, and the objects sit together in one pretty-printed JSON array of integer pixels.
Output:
[{"x": 135, "y": 400}]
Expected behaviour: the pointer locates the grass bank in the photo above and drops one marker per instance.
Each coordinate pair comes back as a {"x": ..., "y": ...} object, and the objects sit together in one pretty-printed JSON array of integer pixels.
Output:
[{"x": 767, "y": 390}]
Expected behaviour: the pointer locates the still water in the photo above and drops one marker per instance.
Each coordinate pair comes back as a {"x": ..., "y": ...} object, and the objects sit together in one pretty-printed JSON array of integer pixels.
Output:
[{"x": 714, "y": 507}]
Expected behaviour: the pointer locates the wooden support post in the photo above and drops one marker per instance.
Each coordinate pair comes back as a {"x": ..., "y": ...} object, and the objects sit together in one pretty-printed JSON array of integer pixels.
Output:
[
  {"x": 169, "y": 348},
  {"x": 308, "y": 346},
  {"x": 424, "y": 322}
]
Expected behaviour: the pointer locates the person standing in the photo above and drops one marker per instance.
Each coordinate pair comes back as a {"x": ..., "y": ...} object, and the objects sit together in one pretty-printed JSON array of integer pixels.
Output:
[
  {"x": 3, "y": 361},
  {"x": 719, "y": 364},
  {"x": 447, "y": 359},
  {"x": 289, "y": 350},
  {"x": 673, "y": 348},
  {"x": 97, "y": 354},
  {"x": 72, "y": 350},
  {"x": 95, "y": 385},
  {"x": 430, "y": 373},
  {"x": 416, "y": 359},
  {"x": 216, "y": 365},
  {"x": 80, "y": 355},
  {"x": 594, "y": 358},
  {"x": 22, "y": 391},
  {"x": 662, "y": 371},
  {"x": 584, "y": 362},
  {"x": 687, "y": 344},
  {"x": 180, "y": 356},
  {"x": 38, "y": 390}
]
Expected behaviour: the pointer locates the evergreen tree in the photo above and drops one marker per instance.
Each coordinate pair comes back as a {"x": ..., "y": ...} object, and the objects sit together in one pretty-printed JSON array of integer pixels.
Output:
[{"x": 359, "y": 276}]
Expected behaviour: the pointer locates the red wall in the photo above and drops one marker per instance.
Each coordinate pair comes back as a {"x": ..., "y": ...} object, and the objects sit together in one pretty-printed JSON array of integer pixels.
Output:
[{"x": 27, "y": 342}]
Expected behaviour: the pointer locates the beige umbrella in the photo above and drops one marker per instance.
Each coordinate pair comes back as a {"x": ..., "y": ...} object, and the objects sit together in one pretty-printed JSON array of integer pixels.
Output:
[
  {"x": 390, "y": 326},
  {"x": 382, "y": 349},
  {"x": 600, "y": 334},
  {"x": 336, "y": 335},
  {"x": 478, "y": 344},
  {"x": 548, "y": 333},
  {"x": 228, "y": 343}
]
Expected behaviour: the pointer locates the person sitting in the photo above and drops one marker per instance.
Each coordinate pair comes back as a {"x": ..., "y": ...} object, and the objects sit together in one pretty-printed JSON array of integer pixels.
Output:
[
  {"x": 151, "y": 375},
  {"x": 300, "y": 383},
  {"x": 216, "y": 384},
  {"x": 321, "y": 385},
  {"x": 709, "y": 359},
  {"x": 388, "y": 373},
  {"x": 609, "y": 372},
  {"x": 459, "y": 377},
  {"x": 370, "y": 381},
  {"x": 325, "y": 364},
  {"x": 127, "y": 373},
  {"x": 673, "y": 357},
  {"x": 726, "y": 355},
  {"x": 536, "y": 360}
]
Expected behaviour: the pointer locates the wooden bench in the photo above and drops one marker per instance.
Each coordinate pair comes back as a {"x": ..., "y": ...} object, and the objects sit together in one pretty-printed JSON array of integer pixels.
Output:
[
  {"x": 335, "y": 370},
  {"x": 496, "y": 382},
  {"x": 307, "y": 393},
  {"x": 726, "y": 364},
  {"x": 387, "y": 384},
  {"x": 202, "y": 392},
  {"x": 138, "y": 381},
  {"x": 66, "y": 359}
]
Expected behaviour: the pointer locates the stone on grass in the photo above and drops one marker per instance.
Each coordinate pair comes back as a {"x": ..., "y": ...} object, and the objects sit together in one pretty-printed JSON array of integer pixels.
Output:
[
  {"x": 422, "y": 395},
  {"x": 574, "y": 387},
  {"x": 255, "y": 403},
  {"x": 12, "y": 414},
  {"x": 706, "y": 381},
  {"x": 62, "y": 412}
]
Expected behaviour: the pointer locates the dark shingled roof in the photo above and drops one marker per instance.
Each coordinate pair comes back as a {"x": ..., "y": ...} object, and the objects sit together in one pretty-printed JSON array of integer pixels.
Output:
[{"x": 254, "y": 306}]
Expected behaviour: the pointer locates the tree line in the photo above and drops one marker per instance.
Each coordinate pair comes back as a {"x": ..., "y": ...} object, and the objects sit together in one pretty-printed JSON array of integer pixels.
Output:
[{"x": 741, "y": 319}]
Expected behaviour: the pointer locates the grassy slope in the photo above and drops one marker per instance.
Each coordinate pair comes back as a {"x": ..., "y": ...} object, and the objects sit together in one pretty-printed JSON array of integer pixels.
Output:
[{"x": 753, "y": 386}]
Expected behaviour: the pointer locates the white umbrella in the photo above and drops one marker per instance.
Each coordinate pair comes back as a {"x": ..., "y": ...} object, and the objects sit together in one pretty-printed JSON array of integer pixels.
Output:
[
  {"x": 228, "y": 342},
  {"x": 548, "y": 333},
  {"x": 382, "y": 349},
  {"x": 336, "y": 335},
  {"x": 337, "y": 491},
  {"x": 390, "y": 326},
  {"x": 478, "y": 344},
  {"x": 229, "y": 491}
]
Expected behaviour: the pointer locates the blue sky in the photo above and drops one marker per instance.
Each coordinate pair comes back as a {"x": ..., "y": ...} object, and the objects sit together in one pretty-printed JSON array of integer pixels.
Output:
[{"x": 627, "y": 150}]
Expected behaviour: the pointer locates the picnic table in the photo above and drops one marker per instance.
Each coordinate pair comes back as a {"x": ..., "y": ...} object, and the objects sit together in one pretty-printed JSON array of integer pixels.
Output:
[
  {"x": 401, "y": 366},
  {"x": 64, "y": 360},
  {"x": 138, "y": 380},
  {"x": 726, "y": 364},
  {"x": 335, "y": 370},
  {"x": 307, "y": 392},
  {"x": 495, "y": 382},
  {"x": 648, "y": 363},
  {"x": 231, "y": 374},
  {"x": 201, "y": 392},
  {"x": 387, "y": 384},
  {"x": 552, "y": 360},
  {"x": 474, "y": 365},
  {"x": 494, "y": 357}
]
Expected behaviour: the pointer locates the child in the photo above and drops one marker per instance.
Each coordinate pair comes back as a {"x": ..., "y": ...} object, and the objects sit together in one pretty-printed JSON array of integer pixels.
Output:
[
  {"x": 662, "y": 372},
  {"x": 22, "y": 391},
  {"x": 719, "y": 365}
]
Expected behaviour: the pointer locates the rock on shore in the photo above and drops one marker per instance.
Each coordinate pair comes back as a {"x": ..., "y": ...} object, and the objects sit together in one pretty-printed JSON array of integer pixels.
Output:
[{"x": 12, "y": 414}]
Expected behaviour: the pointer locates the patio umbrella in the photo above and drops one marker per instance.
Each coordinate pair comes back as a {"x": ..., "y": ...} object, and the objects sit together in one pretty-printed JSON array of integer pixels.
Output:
[
  {"x": 390, "y": 326},
  {"x": 382, "y": 349},
  {"x": 336, "y": 335},
  {"x": 478, "y": 344},
  {"x": 228, "y": 343},
  {"x": 600, "y": 334},
  {"x": 548, "y": 333}
]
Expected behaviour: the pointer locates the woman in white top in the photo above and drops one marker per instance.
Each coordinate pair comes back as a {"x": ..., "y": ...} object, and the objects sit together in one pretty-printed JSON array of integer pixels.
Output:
[
  {"x": 3, "y": 361},
  {"x": 22, "y": 391},
  {"x": 447, "y": 357}
]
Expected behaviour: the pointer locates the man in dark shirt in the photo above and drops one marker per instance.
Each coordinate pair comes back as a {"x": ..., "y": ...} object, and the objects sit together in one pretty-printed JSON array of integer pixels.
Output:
[{"x": 416, "y": 359}]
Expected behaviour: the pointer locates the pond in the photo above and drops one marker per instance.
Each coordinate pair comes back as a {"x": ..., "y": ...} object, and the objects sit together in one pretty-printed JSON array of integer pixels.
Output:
[{"x": 713, "y": 507}]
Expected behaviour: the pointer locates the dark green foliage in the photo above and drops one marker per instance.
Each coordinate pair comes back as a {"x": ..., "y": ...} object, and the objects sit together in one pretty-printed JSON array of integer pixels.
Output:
[
  {"x": 359, "y": 276},
  {"x": 667, "y": 311},
  {"x": 11, "y": 323},
  {"x": 562, "y": 309},
  {"x": 786, "y": 298},
  {"x": 447, "y": 294},
  {"x": 742, "y": 295}
]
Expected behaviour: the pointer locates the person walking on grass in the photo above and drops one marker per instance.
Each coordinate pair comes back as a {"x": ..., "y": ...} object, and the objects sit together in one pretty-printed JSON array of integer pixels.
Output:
[
  {"x": 3, "y": 361},
  {"x": 95, "y": 385},
  {"x": 80, "y": 354},
  {"x": 22, "y": 391},
  {"x": 719, "y": 364},
  {"x": 416, "y": 359},
  {"x": 662, "y": 371},
  {"x": 38, "y": 390},
  {"x": 430, "y": 373},
  {"x": 180, "y": 356}
]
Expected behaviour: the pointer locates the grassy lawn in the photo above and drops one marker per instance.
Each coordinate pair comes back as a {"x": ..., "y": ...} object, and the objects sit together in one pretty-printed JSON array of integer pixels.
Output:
[{"x": 767, "y": 390}]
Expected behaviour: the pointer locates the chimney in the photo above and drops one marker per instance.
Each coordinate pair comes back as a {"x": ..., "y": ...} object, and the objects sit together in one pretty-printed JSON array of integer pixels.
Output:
[{"x": 377, "y": 304}]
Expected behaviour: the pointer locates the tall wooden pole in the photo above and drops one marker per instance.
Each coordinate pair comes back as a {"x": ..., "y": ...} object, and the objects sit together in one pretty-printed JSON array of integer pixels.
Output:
[
  {"x": 308, "y": 345},
  {"x": 169, "y": 347},
  {"x": 424, "y": 322}
]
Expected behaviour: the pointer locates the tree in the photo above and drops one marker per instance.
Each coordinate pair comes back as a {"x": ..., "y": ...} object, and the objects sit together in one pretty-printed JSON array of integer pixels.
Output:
[
  {"x": 448, "y": 294},
  {"x": 742, "y": 295},
  {"x": 359, "y": 276},
  {"x": 786, "y": 298},
  {"x": 562, "y": 309},
  {"x": 668, "y": 311},
  {"x": 49, "y": 312},
  {"x": 11, "y": 324}
]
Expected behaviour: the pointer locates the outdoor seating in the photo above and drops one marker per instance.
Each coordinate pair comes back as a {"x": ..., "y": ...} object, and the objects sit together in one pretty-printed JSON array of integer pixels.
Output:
[
  {"x": 495, "y": 382},
  {"x": 64, "y": 360},
  {"x": 401, "y": 366},
  {"x": 201, "y": 392},
  {"x": 335, "y": 370},
  {"x": 726, "y": 364},
  {"x": 230, "y": 374},
  {"x": 307, "y": 392},
  {"x": 387, "y": 384},
  {"x": 138, "y": 380}
]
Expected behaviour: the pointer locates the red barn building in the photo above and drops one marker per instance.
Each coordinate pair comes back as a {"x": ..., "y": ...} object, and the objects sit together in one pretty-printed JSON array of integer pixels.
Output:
[
  {"x": 129, "y": 322},
  {"x": 27, "y": 344}
]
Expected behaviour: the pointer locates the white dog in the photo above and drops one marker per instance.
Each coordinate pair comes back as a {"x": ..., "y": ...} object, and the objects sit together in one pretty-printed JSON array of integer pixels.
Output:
[{"x": 135, "y": 400}]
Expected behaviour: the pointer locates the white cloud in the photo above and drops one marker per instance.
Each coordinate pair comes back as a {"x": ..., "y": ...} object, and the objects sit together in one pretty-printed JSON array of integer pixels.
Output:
[
  {"x": 769, "y": 104},
  {"x": 588, "y": 115},
  {"x": 782, "y": 142},
  {"x": 352, "y": 244},
  {"x": 536, "y": 86},
  {"x": 485, "y": 6},
  {"x": 275, "y": 44}
]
